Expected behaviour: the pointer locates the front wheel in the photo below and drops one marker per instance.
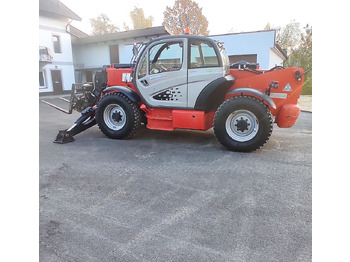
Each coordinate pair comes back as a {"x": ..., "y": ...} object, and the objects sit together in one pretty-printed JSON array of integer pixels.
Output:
[
  {"x": 243, "y": 124},
  {"x": 117, "y": 116}
]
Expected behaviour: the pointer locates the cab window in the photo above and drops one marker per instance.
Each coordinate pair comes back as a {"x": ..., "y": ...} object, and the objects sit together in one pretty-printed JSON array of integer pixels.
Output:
[
  {"x": 203, "y": 55},
  {"x": 143, "y": 68},
  {"x": 165, "y": 57}
]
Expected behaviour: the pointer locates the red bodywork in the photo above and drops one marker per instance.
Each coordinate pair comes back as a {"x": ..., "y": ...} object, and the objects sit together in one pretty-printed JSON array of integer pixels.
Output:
[{"x": 286, "y": 112}]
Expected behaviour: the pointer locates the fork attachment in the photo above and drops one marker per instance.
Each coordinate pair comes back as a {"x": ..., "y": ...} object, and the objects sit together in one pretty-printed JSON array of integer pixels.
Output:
[{"x": 85, "y": 121}]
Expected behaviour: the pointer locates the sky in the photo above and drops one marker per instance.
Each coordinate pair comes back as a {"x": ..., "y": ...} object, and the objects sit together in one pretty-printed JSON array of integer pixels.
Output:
[{"x": 224, "y": 16}]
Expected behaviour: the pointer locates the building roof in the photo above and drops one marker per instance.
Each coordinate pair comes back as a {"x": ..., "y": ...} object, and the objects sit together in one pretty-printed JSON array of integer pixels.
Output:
[
  {"x": 131, "y": 34},
  {"x": 56, "y": 8},
  {"x": 282, "y": 52},
  {"x": 76, "y": 32},
  {"x": 248, "y": 32}
]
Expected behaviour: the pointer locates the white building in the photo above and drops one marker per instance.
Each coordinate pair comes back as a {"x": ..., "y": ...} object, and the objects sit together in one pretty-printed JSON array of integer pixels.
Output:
[
  {"x": 253, "y": 47},
  {"x": 56, "y": 70},
  {"x": 92, "y": 52}
]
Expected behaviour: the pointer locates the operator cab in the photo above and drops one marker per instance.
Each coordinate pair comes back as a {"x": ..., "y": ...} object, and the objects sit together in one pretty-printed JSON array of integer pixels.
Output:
[{"x": 172, "y": 71}]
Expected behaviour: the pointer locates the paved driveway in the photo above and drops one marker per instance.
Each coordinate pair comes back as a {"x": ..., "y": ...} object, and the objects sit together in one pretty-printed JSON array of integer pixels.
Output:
[{"x": 173, "y": 196}]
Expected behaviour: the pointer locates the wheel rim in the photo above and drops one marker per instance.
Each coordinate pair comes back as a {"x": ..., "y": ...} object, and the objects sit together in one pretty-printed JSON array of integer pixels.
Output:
[
  {"x": 242, "y": 125},
  {"x": 114, "y": 117}
]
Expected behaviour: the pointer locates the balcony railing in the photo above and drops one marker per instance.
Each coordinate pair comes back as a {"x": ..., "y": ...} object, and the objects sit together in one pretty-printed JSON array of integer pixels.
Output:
[{"x": 44, "y": 54}]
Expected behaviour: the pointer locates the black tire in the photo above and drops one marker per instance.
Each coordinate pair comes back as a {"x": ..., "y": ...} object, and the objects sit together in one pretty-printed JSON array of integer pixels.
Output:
[
  {"x": 243, "y": 124},
  {"x": 117, "y": 116}
]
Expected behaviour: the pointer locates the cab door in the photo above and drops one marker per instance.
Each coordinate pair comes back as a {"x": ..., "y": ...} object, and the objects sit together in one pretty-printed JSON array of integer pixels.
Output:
[
  {"x": 205, "y": 66},
  {"x": 161, "y": 75}
]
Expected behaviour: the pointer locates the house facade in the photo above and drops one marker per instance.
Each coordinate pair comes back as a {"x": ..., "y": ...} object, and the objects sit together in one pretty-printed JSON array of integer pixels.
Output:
[
  {"x": 56, "y": 69},
  {"x": 254, "y": 47},
  {"x": 92, "y": 52}
]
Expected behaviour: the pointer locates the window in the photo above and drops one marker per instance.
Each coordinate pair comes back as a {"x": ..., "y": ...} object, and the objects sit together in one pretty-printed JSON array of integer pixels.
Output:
[
  {"x": 203, "y": 55},
  {"x": 88, "y": 76},
  {"x": 249, "y": 58},
  {"x": 56, "y": 44},
  {"x": 143, "y": 68},
  {"x": 41, "y": 79},
  {"x": 114, "y": 54},
  {"x": 165, "y": 57}
]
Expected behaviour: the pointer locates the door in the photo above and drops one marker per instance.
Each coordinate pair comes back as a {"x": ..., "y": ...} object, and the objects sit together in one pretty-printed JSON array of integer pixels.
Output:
[
  {"x": 204, "y": 67},
  {"x": 162, "y": 74},
  {"x": 114, "y": 54},
  {"x": 56, "y": 81}
]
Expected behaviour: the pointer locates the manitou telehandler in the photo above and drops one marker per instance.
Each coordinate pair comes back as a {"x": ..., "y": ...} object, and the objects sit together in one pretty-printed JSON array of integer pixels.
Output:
[{"x": 186, "y": 81}]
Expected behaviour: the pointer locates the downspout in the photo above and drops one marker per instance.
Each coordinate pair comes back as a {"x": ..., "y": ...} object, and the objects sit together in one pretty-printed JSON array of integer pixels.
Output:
[{"x": 70, "y": 21}]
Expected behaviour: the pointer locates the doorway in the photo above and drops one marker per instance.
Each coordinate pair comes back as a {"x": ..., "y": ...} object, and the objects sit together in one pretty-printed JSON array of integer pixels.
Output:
[{"x": 56, "y": 81}]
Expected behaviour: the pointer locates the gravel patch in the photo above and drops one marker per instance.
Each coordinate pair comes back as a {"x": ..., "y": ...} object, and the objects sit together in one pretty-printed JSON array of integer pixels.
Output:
[{"x": 305, "y": 102}]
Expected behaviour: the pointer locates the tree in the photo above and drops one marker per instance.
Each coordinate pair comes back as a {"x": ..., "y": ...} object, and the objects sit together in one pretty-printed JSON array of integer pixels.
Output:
[
  {"x": 298, "y": 44},
  {"x": 185, "y": 13},
  {"x": 102, "y": 25},
  {"x": 139, "y": 20},
  {"x": 301, "y": 56},
  {"x": 288, "y": 37}
]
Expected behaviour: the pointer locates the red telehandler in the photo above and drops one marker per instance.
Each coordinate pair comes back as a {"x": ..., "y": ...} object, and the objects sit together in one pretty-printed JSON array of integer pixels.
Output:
[{"x": 186, "y": 81}]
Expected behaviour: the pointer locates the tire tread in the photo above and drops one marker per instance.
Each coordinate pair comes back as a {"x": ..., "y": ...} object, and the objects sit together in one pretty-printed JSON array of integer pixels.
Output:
[
  {"x": 223, "y": 139},
  {"x": 136, "y": 112}
]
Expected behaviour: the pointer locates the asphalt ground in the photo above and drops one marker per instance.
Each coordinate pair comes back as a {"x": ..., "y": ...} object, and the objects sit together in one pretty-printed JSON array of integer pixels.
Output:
[{"x": 173, "y": 196}]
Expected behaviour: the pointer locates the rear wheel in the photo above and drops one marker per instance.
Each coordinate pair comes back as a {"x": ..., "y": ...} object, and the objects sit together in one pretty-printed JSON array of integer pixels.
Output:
[
  {"x": 117, "y": 116},
  {"x": 243, "y": 123}
]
